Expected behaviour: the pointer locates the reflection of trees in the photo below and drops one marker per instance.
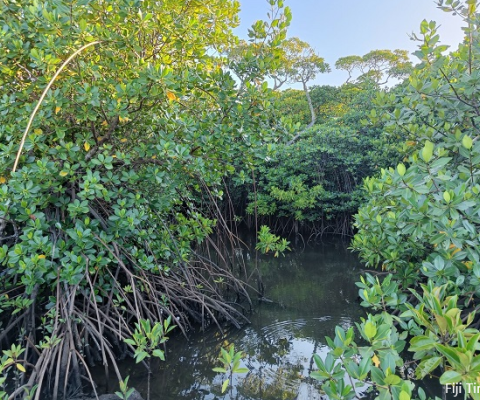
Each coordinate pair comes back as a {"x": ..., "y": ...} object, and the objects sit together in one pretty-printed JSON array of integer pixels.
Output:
[
  {"x": 311, "y": 281},
  {"x": 276, "y": 371},
  {"x": 187, "y": 374},
  {"x": 273, "y": 375},
  {"x": 257, "y": 387},
  {"x": 279, "y": 345},
  {"x": 277, "y": 366}
]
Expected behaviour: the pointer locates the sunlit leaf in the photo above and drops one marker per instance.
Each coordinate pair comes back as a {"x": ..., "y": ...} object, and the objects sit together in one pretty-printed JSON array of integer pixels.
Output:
[
  {"x": 450, "y": 377},
  {"x": 370, "y": 330},
  {"x": 404, "y": 395},
  {"x": 427, "y": 151},
  {"x": 225, "y": 385},
  {"x": 467, "y": 142},
  {"x": 20, "y": 367}
]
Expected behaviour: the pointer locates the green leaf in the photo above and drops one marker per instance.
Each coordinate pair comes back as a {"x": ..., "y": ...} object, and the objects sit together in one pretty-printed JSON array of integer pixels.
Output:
[
  {"x": 219, "y": 369},
  {"x": 427, "y": 366},
  {"x": 226, "y": 356},
  {"x": 140, "y": 356},
  {"x": 159, "y": 353},
  {"x": 421, "y": 343},
  {"x": 427, "y": 151},
  {"x": 404, "y": 395},
  {"x": 401, "y": 169},
  {"x": 467, "y": 142},
  {"x": 370, "y": 330},
  {"x": 319, "y": 376},
  {"x": 392, "y": 379},
  {"x": 421, "y": 394},
  {"x": 319, "y": 362},
  {"x": 338, "y": 351},
  {"x": 20, "y": 367},
  {"x": 440, "y": 162},
  {"x": 446, "y": 197},
  {"x": 225, "y": 385},
  {"x": 451, "y": 354},
  {"x": 449, "y": 377}
]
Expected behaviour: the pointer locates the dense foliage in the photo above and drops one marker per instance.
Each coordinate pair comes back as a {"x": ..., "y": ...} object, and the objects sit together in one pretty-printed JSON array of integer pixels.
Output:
[
  {"x": 315, "y": 184},
  {"x": 421, "y": 227},
  {"x": 329, "y": 103},
  {"x": 292, "y": 104},
  {"x": 122, "y": 127},
  {"x": 119, "y": 175},
  {"x": 377, "y": 66}
]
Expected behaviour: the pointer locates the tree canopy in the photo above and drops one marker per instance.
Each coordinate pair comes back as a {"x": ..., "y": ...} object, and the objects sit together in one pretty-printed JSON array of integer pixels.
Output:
[
  {"x": 299, "y": 63},
  {"x": 378, "y": 66},
  {"x": 119, "y": 175}
]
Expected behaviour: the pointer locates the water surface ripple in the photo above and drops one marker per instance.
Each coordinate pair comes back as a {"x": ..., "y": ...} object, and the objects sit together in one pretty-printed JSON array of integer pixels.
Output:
[{"x": 311, "y": 291}]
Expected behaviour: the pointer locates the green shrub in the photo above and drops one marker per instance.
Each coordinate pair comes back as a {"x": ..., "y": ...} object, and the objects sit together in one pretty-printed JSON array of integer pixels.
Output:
[
  {"x": 120, "y": 171},
  {"x": 421, "y": 225}
]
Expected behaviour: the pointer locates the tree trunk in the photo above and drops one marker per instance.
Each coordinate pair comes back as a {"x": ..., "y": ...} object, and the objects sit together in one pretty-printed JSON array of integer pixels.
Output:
[
  {"x": 310, "y": 105},
  {"x": 312, "y": 113}
]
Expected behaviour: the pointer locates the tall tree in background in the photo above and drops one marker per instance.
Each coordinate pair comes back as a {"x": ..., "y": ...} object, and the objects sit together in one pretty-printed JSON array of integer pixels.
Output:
[
  {"x": 299, "y": 64},
  {"x": 296, "y": 62},
  {"x": 377, "y": 66}
]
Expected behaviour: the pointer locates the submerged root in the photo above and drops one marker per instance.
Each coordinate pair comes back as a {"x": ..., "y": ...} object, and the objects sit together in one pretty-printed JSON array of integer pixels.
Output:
[{"x": 73, "y": 327}]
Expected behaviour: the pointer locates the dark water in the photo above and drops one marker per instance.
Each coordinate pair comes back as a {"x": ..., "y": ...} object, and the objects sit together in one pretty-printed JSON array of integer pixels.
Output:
[{"x": 312, "y": 289}]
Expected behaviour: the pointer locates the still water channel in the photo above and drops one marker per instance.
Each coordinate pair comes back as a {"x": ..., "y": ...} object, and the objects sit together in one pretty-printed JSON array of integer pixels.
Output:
[{"x": 312, "y": 289}]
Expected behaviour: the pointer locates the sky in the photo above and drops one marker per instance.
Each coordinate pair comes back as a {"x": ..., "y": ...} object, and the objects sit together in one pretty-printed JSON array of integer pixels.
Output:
[{"x": 338, "y": 28}]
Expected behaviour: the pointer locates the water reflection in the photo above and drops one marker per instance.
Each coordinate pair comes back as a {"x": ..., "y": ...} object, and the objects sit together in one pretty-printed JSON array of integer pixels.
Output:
[{"x": 309, "y": 293}]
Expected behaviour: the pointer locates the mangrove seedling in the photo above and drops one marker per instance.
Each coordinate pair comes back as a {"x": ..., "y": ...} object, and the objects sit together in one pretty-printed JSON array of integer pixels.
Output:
[
  {"x": 231, "y": 365},
  {"x": 146, "y": 341},
  {"x": 124, "y": 392}
]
